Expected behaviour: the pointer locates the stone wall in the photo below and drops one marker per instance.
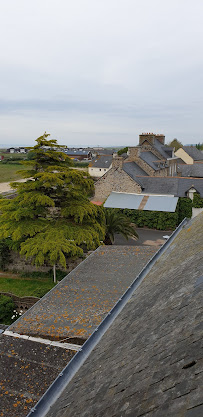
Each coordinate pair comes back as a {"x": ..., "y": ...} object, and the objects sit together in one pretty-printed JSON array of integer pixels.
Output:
[
  {"x": 134, "y": 153},
  {"x": 115, "y": 180},
  {"x": 21, "y": 303},
  {"x": 161, "y": 173},
  {"x": 117, "y": 162}
]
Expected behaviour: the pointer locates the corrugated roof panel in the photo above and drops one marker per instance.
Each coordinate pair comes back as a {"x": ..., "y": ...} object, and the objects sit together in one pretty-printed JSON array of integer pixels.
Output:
[
  {"x": 123, "y": 200},
  {"x": 133, "y": 201},
  {"x": 161, "y": 203}
]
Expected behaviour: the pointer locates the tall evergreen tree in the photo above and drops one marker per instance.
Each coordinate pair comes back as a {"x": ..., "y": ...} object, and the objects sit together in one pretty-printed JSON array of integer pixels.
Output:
[{"x": 51, "y": 218}]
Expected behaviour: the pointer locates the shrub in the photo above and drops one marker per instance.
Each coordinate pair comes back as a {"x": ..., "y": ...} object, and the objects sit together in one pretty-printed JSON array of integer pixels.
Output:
[
  {"x": 184, "y": 208},
  {"x": 4, "y": 254},
  {"x": 153, "y": 219},
  {"x": 161, "y": 220},
  {"x": 197, "y": 201},
  {"x": 6, "y": 309}
]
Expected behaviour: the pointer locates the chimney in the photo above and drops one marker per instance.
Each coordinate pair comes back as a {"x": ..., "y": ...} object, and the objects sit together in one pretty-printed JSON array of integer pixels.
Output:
[
  {"x": 133, "y": 153},
  {"x": 117, "y": 162}
]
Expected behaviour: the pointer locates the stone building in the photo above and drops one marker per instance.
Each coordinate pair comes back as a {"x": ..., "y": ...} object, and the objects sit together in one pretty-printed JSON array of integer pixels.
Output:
[{"x": 150, "y": 168}]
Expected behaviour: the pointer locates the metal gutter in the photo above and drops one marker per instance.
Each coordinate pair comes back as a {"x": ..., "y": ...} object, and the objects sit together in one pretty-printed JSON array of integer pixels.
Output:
[{"x": 61, "y": 382}]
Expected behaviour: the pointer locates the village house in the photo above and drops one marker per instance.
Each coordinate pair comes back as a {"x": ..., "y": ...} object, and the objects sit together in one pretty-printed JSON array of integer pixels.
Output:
[
  {"x": 143, "y": 171},
  {"x": 189, "y": 154},
  {"x": 100, "y": 165}
]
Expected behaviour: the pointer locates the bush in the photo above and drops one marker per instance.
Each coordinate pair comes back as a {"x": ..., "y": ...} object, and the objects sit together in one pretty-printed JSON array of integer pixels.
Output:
[
  {"x": 161, "y": 220},
  {"x": 184, "y": 208},
  {"x": 153, "y": 219},
  {"x": 6, "y": 309},
  {"x": 4, "y": 254},
  {"x": 197, "y": 201}
]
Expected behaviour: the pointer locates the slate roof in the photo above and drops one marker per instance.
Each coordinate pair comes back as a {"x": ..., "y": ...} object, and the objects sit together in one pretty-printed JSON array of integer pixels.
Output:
[
  {"x": 106, "y": 151},
  {"x": 164, "y": 150},
  {"x": 76, "y": 152},
  {"x": 177, "y": 186},
  {"x": 159, "y": 185},
  {"x": 195, "y": 153},
  {"x": 76, "y": 306},
  {"x": 184, "y": 184},
  {"x": 150, "y": 158},
  {"x": 101, "y": 161},
  {"x": 27, "y": 370},
  {"x": 193, "y": 170},
  {"x": 149, "y": 361},
  {"x": 132, "y": 169}
]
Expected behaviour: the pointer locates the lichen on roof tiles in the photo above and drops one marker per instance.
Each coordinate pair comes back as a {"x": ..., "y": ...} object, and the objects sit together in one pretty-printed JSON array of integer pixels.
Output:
[
  {"x": 149, "y": 362},
  {"x": 76, "y": 306}
]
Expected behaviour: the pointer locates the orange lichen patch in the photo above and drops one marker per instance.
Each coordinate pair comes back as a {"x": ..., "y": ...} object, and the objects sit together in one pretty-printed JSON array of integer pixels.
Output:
[
  {"x": 97, "y": 203},
  {"x": 29, "y": 400}
]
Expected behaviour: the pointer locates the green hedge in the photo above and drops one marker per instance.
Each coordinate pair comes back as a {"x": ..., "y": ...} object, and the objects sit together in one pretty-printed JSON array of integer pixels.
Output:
[
  {"x": 197, "y": 201},
  {"x": 184, "y": 208},
  {"x": 161, "y": 220}
]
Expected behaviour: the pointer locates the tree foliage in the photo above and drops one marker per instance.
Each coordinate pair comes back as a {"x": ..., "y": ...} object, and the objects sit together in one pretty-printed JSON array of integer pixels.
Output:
[
  {"x": 51, "y": 217},
  {"x": 197, "y": 201},
  {"x": 175, "y": 143},
  {"x": 123, "y": 150},
  {"x": 117, "y": 222},
  {"x": 199, "y": 146},
  {"x": 4, "y": 254},
  {"x": 6, "y": 309}
]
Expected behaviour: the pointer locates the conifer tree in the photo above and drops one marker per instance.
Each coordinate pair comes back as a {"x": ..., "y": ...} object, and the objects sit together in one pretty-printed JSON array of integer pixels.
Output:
[{"x": 51, "y": 218}]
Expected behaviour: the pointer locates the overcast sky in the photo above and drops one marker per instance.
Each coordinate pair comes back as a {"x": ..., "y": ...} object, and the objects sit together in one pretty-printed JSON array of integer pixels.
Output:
[{"x": 100, "y": 72}]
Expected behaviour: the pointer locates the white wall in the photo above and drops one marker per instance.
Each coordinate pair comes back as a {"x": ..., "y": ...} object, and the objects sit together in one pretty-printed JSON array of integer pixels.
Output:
[{"x": 97, "y": 172}]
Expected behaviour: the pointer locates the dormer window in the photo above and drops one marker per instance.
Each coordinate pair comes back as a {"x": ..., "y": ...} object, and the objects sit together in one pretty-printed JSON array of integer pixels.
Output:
[{"x": 191, "y": 192}]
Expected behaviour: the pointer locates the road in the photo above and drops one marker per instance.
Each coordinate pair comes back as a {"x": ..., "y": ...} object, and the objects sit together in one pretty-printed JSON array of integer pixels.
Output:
[{"x": 146, "y": 237}]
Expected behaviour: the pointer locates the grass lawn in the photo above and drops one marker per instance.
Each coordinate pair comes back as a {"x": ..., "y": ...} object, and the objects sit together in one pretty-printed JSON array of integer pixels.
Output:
[
  {"x": 8, "y": 172},
  {"x": 25, "y": 287},
  {"x": 34, "y": 284}
]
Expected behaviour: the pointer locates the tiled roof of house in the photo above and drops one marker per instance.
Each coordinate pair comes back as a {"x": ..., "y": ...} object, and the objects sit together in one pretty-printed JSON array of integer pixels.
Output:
[
  {"x": 195, "y": 153},
  {"x": 159, "y": 185},
  {"x": 177, "y": 186},
  {"x": 132, "y": 169},
  {"x": 150, "y": 158},
  {"x": 193, "y": 170},
  {"x": 149, "y": 361},
  {"x": 27, "y": 370},
  {"x": 77, "y": 152},
  {"x": 164, "y": 150},
  {"x": 101, "y": 161},
  {"x": 75, "y": 307}
]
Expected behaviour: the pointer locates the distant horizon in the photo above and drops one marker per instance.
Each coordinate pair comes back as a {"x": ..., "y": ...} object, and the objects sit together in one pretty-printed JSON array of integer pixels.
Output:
[{"x": 91, "y": 146}]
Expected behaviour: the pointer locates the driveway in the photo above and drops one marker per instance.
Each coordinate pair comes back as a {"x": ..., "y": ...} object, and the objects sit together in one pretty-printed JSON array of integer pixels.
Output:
[{"x": 149, "y": 237}]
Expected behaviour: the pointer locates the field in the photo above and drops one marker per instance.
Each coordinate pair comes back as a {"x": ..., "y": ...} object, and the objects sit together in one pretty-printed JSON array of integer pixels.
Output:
[
  {"x": 25, "y": 287},
  {"x": 35, "y": 285}
]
